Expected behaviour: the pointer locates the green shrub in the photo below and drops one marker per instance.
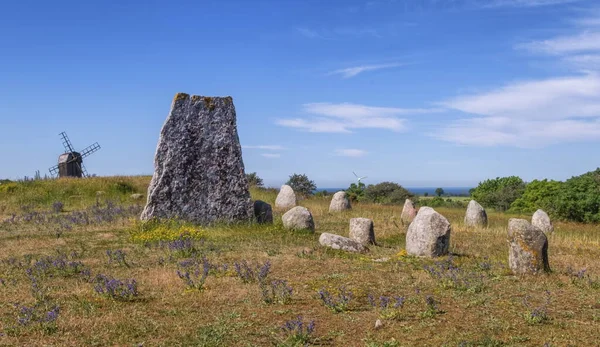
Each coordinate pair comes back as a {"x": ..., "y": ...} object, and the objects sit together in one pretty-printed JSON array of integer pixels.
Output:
[
  {"x": 301, "y": 184},
  {"x": 356, "y": 192},
  {"x": 386, "y": 193},
  {"x": 538, "y": 194},
  {"x": 579, "y": 198},
  {"x": 499, "y": 193}
]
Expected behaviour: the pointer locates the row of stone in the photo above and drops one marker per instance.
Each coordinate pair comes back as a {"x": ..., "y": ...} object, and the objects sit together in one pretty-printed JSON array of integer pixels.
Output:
[
  {"x": 476, "y": 216},
  {"x": 287, "y": 199}
]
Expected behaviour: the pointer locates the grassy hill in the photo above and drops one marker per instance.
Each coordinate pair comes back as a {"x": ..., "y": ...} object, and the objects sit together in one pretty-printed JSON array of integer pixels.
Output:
[{"x": 67, "y": 275}]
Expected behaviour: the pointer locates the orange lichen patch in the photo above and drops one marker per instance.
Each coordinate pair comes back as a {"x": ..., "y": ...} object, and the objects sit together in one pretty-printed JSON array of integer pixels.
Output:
[
  {"x": 209, "y": 103},
  {"x": 180, "y": 96}
]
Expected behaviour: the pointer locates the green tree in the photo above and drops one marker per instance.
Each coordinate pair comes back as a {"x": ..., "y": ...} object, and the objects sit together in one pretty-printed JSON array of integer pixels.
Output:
[
  {"x": 538, "y": 194},
  {"x": 426, "y": 194},
  {"x": 386, "y": 193},
  {"x": 499, "y": 193},
  {"x": 579, "y": 198},
  {"x": 356, "y": 192},
  {"x": 301, "y": 184},
  {"x": 439, "y": 191},
  {"x": 254, "y": 180}
]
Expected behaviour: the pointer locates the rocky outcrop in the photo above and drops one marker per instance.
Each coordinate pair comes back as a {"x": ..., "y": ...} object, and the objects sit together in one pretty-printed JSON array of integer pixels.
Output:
[{"x": 198, "y": 169}]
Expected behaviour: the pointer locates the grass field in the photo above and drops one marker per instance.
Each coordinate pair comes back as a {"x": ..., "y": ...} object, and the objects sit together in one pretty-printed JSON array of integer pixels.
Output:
[{"x": 69, "y": 258}]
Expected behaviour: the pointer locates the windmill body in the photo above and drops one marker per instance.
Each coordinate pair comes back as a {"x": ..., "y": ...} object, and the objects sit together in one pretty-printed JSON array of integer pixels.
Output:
[{"x": 70, "y": 163}]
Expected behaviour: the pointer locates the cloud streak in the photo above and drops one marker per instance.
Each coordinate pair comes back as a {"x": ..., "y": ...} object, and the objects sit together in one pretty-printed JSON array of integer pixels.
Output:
[
  {"x": 350, "y": 152},
  {"x": 356, "y": 70},
  {"x": 347, "y": 117},
  {"x": 271, "y": 155},
  {"x": 528, "y": 114}
]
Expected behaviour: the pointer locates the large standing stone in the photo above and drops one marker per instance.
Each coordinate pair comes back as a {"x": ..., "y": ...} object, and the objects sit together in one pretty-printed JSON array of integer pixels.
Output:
[
  {"x": 361, "y": 231},
  {"x": 528, "y": 248},
  {"x": 541, "y": 220},
  {"x": 339, "y": 202},
  {"x": 263, "y": 213},
  {"x": 340, "y": 242},
  {"x": 428, "y": 235},
  {"x": 298, "y": 218},
  {"x": 475, "y": 216},
  {"x": 408, "y": 212},
  {"x": 198, "y": 168},
  {"x": 286, "y": 197}
]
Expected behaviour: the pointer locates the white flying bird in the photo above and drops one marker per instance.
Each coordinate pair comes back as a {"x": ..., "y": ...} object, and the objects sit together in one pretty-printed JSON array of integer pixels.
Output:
[{"x": 358, "y": 178}]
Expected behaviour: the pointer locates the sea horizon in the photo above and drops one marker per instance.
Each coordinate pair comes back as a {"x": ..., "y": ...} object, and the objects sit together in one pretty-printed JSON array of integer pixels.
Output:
[{"x": 448, "y": 191}]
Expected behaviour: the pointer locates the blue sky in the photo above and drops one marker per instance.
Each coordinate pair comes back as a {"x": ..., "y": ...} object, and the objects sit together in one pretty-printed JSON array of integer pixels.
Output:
[{"x": 423, "y": 93}]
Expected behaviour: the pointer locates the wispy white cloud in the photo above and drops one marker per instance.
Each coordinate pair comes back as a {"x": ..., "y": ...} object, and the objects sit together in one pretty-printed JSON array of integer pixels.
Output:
[
  {"x": 266, "y": 147},
  {"x": 355, "y": 70},
  {"x": 555, "y": 98},
  {"x": 583, "y": 42},
  {"x": 524, "y": 3},
  {"x": 528, "y": 114},
  {"x": 350, "y": 152},
  {"x": 271, "y": 155},
  {"x": 346, "y": 117}
]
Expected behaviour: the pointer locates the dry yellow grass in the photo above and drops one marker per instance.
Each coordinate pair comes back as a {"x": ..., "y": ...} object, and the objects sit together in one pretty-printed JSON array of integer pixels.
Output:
[{"x": 490, "y": 311}]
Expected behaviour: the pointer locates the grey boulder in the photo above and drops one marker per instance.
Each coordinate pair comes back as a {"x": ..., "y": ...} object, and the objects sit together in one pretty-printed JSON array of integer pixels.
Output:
[
  {"x": 298, "y": 218},
  {"x": 263, "y": 213},
  {"x": 198, "y": 169},
  {"x": 541, "y": 220},
  {"x": 428, "y": 235},
  {"x": 408, "y": 212},
  {"x": 361, "y": 231},
  {"x": 528, "y": 248},
  {"x": 475, "y": 215},
  {"x": 339, "y": 202},
  {"x": 286, "y": 197},
  {"x": 341, "y": 243}
]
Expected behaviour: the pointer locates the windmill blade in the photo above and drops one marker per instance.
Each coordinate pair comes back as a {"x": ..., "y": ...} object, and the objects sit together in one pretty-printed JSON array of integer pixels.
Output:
[
  {"x": 84, "y": 172},
  {"x": 53, "y": 170},
  {"x": 90, "y": 149},
  {"x": 355, "y": 174},
  {"x": 66, "y": 143}
]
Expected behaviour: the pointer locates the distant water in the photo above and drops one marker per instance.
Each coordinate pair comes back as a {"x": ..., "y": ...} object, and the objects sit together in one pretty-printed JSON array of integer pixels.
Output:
[{"x": 449, "y": 191}]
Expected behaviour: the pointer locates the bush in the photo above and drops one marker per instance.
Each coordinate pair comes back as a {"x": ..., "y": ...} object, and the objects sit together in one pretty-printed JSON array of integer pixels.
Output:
[
  {"x": 538, "y": 194},
  {"x": 301, "y": 184},
  {"x": 386, "y": 193},
  {"x": 499, "y": 193},
  {"x": 254, "y": 180},
  {"x": 579, "y": 198},
  {"x": 356, "y": 192}
]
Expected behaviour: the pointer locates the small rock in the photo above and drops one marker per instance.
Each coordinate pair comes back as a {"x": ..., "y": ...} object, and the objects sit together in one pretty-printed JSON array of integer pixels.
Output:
[
  {"x": 137, "y": 196},
  {"x": 263, "y": 212},
  {"x": 100, "y": 192},
  {"x": 541, "y": 220},
  {"x": 339, "y": 202},
  {"x": 382, "y": 260},
  {"x": 428, "y": 235},
  {"x": 342, "y": 243},
  {"x": 408, "y": 212},
  {"x": 286, "y": 197},
  {"x": 528, "y": 248},
  {"x": 361, "y": 231},
  {"x": 298, "y": 218},
  {"x": 378, "y": 324},
  {"x": 476, "y": 215}
]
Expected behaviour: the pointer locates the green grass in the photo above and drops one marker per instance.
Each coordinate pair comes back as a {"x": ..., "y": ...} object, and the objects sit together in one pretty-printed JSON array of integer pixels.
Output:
[{"x": 488, "y": 311}]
